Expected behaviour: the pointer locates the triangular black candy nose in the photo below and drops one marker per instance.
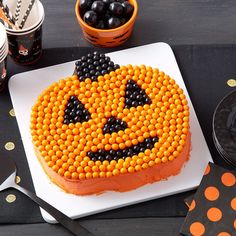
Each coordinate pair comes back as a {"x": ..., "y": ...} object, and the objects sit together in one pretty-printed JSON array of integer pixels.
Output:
[
  {"x": 114, "y": 125},
  {"x": 75, "y": 111},
  {"x": 134, "y": 95}
]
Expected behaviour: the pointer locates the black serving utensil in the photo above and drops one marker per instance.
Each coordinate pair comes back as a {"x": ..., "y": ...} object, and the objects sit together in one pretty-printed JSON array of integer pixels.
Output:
[{"x": 7, "y": 180}]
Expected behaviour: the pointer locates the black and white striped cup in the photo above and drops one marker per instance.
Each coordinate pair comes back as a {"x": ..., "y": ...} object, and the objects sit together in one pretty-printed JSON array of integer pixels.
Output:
[{"x": 25, "y": 45}]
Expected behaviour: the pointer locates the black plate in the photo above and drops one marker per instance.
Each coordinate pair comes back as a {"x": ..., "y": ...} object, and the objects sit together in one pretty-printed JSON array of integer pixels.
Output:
[
  {"x": 222, "y": 153},
  {"x": 224, "y": 128}
]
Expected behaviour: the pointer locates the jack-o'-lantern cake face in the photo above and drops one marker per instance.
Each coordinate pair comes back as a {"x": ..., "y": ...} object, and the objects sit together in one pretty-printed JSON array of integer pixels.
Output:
[{"x": 124, "y": 121}]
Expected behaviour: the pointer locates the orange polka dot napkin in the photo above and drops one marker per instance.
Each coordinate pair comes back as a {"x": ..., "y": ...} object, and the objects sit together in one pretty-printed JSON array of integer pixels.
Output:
[{"x": 213, "y": 208}]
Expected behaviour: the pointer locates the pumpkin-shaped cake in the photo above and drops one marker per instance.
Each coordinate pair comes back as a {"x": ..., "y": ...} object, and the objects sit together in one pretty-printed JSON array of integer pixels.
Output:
[{"x": 111, "y": 127}]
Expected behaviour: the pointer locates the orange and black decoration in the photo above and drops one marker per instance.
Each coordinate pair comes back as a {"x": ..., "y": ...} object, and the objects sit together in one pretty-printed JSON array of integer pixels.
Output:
[
  {"x": 108, "y": 120},
  {"x": 107, "y": 37},
  {"x": 109, "y": 41},
  {"x": 213, "y": 208}
]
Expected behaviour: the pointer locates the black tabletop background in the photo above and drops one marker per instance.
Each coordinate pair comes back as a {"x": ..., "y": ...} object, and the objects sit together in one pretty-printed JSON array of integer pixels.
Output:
[
  {"x": 172, "y": 21},
  {"x": 205, "y": 70},
  {"x": 23, "y": 210}
]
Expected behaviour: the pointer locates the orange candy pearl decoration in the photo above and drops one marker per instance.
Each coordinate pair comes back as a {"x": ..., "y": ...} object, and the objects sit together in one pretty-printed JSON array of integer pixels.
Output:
[{"x": 65, "y": 147}]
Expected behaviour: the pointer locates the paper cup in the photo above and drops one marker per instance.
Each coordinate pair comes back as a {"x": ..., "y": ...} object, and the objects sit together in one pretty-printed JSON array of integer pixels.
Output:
[
  {"x": 33, "y": 18},
  {"x": 3, "y": 56},
  {"x": 3, "y": 37},
  {"x": 4, "y": 48},
  {"x": 4, "y": 53},
  {"x": 25, "y": 46},
  {"x": 3, "y": 73}
]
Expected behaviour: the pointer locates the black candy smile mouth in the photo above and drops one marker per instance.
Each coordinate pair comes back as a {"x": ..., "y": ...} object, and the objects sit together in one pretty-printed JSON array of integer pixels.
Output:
[{"x": 102, "y": 155}]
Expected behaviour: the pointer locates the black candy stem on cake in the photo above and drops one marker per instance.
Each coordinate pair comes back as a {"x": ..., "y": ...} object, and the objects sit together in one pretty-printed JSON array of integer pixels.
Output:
[{"x": 92, "y": 65}]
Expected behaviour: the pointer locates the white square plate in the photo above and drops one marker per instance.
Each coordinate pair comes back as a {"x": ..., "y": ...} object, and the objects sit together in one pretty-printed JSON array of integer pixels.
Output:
[{"x": 25, "y": 88}]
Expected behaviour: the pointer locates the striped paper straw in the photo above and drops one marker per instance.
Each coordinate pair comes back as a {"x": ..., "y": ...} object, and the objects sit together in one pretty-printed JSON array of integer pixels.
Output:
[
  {"x": 26, "y": 15},
  {"x": 5, "y": 23},
  {"x": 7, "y": 12},
  {"x": 18, "y": 8},
  {"x": 6, "y": 17}
]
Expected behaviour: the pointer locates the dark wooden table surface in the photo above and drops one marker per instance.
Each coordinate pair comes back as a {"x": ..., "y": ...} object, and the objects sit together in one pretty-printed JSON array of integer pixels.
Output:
[{"x": 171, "y": 21}]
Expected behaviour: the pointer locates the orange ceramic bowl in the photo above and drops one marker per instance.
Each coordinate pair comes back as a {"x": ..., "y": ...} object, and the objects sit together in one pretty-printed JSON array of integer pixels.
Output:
[{"x": 107, "y": 37}]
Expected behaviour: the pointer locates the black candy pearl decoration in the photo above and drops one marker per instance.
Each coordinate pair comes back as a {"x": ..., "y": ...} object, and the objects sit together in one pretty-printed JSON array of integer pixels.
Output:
[
  {"x": 90, "y": 61},
  {"x": 101, "y": 61},
  {"x": 93, "y": 65},
  {"x": 84, "y": 64},
  {"x": 110, "y": 155},
  {"x": 104, "y": 66},
  {"x": 116, "y": 8},
  {"x": 97, "y": 73},
  {"x": 75, "y": 111},
  {"x": 128, "y": 8},
  {"x": 112, "y": 119},
  {"x": 103, "y": 72},
  {"x": 85, "y": 4},
  {"x": 107, "y": 59},
  {"x": 116, "y": 66},
  {"x": 92, "y": 72},
  {"x": 142, "y": 149},
  {"x": 110, "y": 63},
  {"x": 101, "y": 158},
  {"x": 135, "y": 96},
  {"x": 99, "y": 7},
  {"x": 108, "y": 2},
  {"x": 79, "y": 113},
  {"x": 90, "y": 17},
  {"x": 78, "y": 63},
  {"x": 96, "y": 57},
  {"x": 113, "y": 22},
  {"x": 83, "y": 58}
]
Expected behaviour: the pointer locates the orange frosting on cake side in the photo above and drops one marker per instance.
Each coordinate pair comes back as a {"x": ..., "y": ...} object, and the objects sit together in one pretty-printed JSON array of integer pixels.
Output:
[
  {"x": 120, "y": 183},
  {"x": 123, "y": 130}
]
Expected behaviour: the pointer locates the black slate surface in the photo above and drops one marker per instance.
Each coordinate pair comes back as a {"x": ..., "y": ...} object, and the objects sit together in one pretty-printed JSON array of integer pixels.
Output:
[
  {"x": 205, "y": 70},
  {"x": 172, "y": 21}
]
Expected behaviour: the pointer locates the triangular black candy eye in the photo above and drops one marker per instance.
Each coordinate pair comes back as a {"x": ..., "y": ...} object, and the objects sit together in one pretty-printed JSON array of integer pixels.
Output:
[
  {"x": 75, "y": 111},
  {"x": 93, "y": 65},
  {"x": 114, "y": 125},
  {"x": 134, "y": 95}
]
